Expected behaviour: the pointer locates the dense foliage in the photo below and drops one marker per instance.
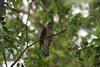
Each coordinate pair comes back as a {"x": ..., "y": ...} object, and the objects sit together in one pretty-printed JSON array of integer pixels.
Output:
[{"x": 21, "y": 22}]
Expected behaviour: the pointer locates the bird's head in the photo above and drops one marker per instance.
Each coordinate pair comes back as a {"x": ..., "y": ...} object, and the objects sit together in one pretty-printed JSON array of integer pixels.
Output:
[{"x": 50, "y": 25}]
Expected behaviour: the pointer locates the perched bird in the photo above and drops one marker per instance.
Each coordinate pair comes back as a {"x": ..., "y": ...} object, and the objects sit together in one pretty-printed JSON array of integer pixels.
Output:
[{"x": 45, "y": 40}]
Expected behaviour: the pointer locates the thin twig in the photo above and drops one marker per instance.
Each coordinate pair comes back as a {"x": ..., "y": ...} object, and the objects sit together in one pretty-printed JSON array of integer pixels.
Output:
[
  {"x": 27, "y": 23},
  {"x": 5, "y": 59},
  {"x": 59, "y": 12},
  {"x": 21, "y": 11},
  {"x": 33, "y": 44}
]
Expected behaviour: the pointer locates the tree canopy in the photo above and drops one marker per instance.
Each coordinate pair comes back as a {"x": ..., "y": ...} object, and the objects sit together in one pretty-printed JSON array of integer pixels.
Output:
[{"x": 76, "y": 33}]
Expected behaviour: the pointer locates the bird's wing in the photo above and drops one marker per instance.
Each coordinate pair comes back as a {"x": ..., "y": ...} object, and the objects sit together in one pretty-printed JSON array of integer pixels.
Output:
[{"x": 42, "y": 36}]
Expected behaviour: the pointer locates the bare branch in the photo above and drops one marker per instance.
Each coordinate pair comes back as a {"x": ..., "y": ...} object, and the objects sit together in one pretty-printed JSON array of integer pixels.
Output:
[
  {"x": 5, "y": 59},
  {"x": 18, "y": 11},
  {"x": 27, "y": 22}
]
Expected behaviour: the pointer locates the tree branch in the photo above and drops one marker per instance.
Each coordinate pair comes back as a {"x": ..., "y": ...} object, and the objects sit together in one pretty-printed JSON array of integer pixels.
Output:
[
  {"x": 5, "y": 59},
  {"x": 18, "y": 11},
  {"x": 27, "y": 23},
  {"x": 33, "y": 44}
]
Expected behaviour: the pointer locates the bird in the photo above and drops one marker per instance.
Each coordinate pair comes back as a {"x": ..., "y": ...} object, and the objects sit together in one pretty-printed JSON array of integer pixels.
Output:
[{"x": 46, "y": 38}]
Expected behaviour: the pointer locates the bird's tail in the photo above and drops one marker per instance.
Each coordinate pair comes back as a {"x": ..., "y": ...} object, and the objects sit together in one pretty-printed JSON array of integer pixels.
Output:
[{"x": 46, "y": 52}]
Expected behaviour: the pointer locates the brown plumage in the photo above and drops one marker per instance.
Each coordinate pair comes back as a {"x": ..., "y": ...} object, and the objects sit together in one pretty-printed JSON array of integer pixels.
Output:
[{"x": 44, "y": 40}]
